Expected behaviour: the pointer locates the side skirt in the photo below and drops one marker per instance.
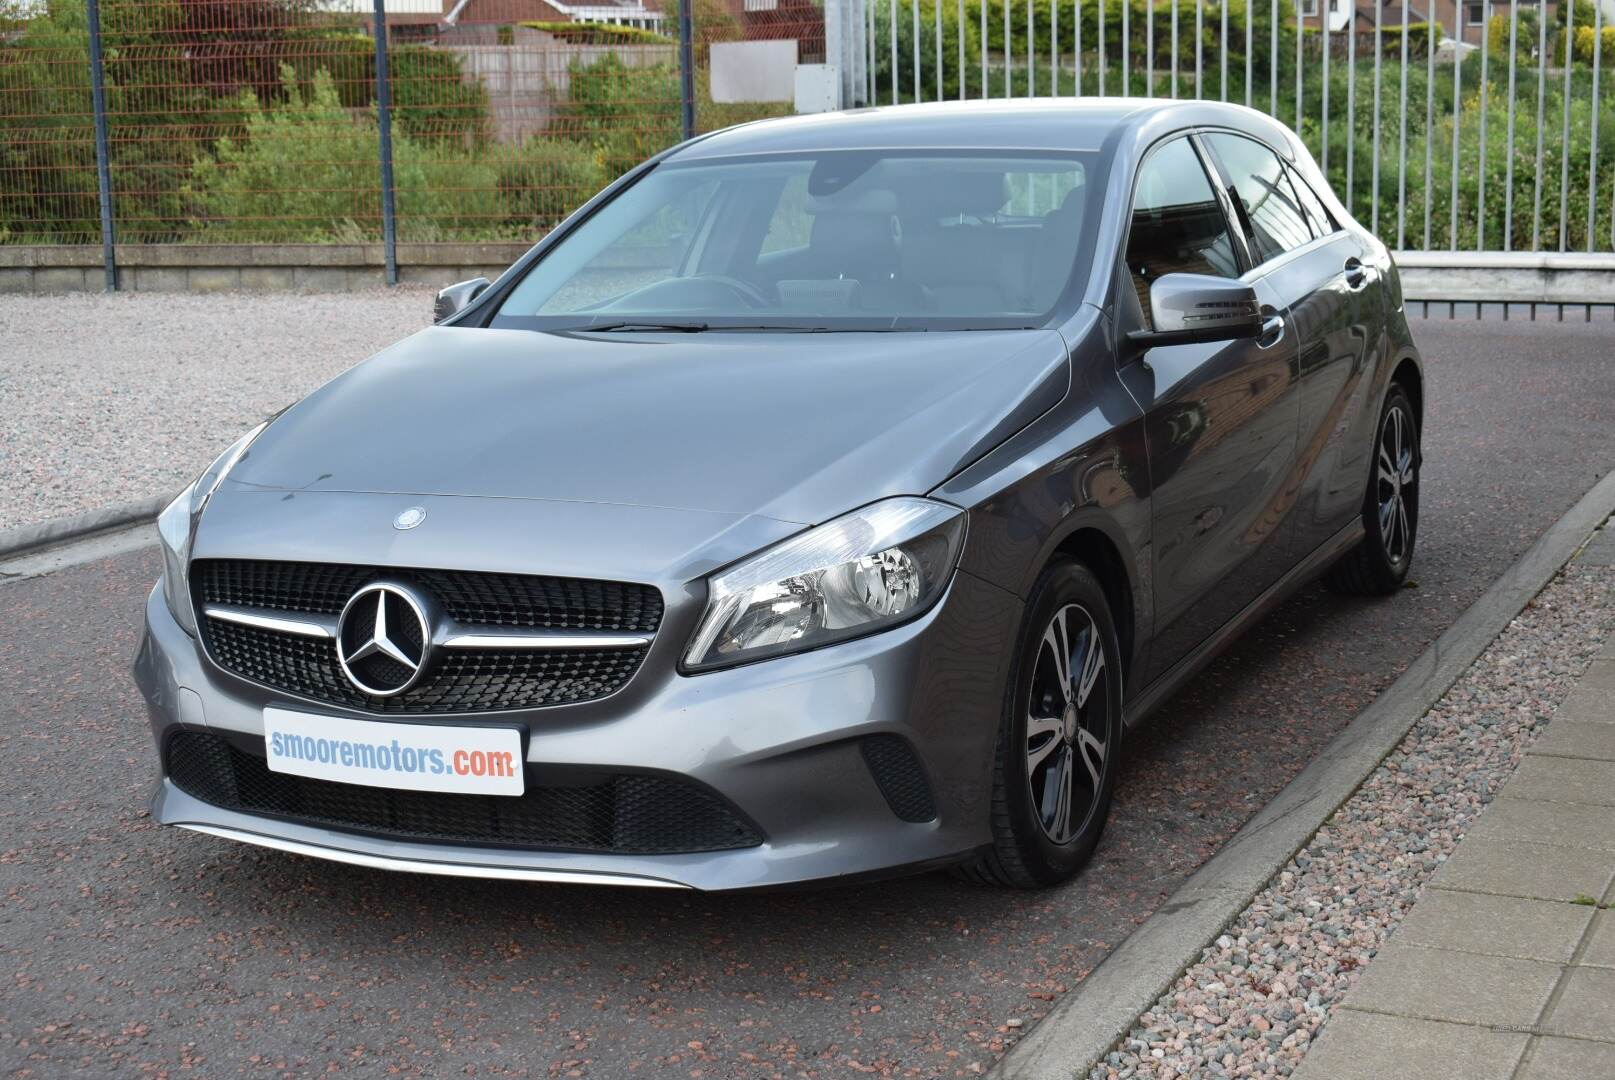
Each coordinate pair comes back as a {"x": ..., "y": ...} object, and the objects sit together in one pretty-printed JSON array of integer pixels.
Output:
[{"x": 1154, "y": 695}]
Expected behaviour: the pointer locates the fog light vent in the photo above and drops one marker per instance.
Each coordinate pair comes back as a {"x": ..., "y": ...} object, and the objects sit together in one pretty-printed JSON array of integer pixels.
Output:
[{"x": 900, "y": 777}]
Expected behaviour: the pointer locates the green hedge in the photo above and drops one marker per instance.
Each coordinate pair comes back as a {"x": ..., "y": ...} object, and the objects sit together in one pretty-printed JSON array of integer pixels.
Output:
[
  {"x": 431, "y": 99},
  {"x": 1478, "y": 224},
  {"x": 1526, "y": 39},
  {"x": 1586, "y": 44},
  {"x": 952, "y": 74},
  {"x": 545, "y": 179},
  {"x": 1418, "y": 35},
  {"x": 1138, "y": 17}
]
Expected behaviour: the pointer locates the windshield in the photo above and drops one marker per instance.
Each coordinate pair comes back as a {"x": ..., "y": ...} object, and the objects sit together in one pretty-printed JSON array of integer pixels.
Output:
[{"x": 844, "y": 240}]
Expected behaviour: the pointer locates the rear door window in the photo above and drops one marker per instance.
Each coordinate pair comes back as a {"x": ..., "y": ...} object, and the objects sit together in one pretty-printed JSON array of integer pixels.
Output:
[{"x": 1274, "y": 222}]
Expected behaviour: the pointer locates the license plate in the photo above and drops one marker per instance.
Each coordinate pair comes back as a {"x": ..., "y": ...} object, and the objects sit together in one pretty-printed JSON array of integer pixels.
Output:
[{"x": 414, "y": 757}]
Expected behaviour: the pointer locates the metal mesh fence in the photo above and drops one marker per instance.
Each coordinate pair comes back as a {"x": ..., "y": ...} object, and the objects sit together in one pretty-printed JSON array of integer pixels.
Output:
[
  {"x": 257, "y": 120},
  {"x": 1478, "y": 126},
  {"x": 47, "y": 157},
  {"x": 1467, "y": 125}
]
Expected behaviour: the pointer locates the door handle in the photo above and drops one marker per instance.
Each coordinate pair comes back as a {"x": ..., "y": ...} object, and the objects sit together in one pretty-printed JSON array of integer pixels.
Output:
[
  {"x": 1356, "y": 273},
  {"x": 1272, "y": 331}
]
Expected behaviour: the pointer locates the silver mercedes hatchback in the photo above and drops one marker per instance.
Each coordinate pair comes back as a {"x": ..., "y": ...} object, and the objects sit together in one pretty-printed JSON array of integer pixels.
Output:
[{"x": 828, "y": 497}]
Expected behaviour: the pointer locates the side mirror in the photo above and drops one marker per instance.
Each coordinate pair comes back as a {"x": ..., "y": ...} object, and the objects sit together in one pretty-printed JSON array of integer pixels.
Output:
[
  {"x": 455, "y": 298},
  {"x": 1190, "y": 308}
]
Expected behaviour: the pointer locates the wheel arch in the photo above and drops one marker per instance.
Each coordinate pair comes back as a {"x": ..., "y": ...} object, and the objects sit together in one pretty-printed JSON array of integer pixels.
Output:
[
  {"x": 1408, "y": 375},
  {"x": 1098, "y": 551}
]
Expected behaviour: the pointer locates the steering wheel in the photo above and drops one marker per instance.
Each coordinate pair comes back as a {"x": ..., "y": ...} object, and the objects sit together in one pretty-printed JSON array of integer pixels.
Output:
[{"x": 746, "y": 291}]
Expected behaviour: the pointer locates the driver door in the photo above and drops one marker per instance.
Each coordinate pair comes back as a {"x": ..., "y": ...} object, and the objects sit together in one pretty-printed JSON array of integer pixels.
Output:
[{"x": 1220, "y": 418}]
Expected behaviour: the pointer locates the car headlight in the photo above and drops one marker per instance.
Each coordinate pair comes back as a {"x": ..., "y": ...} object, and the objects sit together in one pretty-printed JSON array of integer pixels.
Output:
[
  {"x": 866, "y": 571},
  {"x": 176, "y": 528}
]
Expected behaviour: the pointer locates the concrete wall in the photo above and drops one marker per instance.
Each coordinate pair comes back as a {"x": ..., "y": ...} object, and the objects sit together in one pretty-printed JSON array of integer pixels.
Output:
[
  {"x": 1516, "y": 277},
  {"x": 256, "y": 267}
]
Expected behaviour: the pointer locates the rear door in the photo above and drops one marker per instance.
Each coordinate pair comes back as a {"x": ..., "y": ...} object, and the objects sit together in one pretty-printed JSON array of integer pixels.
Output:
[
  {"x": 1220, "y": 419},
  {"x": 1316, "y": 270}
]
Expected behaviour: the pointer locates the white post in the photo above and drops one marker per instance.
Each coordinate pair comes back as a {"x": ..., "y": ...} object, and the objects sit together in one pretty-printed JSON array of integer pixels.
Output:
[{"x": 845, "y": 46}]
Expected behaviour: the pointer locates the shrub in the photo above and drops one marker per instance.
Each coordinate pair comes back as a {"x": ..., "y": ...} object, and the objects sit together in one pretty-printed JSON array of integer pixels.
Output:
[
  {"x": 546, "y": 179},
  {"x": 305, "y": 170},
  {"x": 155, "y": 66},
  {"x": 1585, "y": 45},
  {"x": 1526, "y": 42},
  {"x": 1138, "y": 17},
  {"x": 622, "y": 149},
  {"x": 1418, "y": 35},
  {"x": 608, "y": 97},
  {"x": 1586, "y": 12},
  {"x": 431, "y": 99},
  {"x": 1570, "y": 154},
  {"x": 714, "y": 22},
  {"x": 1476, "y": 222},
  {"x": 952, "y": 74}
]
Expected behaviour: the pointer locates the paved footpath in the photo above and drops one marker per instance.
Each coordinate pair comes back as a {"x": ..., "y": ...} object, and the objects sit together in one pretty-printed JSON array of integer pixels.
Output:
[{"x": 1505, "y": 968}]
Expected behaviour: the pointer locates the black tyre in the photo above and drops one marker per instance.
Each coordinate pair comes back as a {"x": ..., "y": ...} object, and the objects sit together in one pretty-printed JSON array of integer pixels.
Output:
[
  {"x": 1055, "y": 766},
  {"x": 1379, "y": 565}
]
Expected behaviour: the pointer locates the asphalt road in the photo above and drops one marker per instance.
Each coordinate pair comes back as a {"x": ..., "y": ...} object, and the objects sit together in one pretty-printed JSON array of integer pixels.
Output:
[{"x": 170, "y": 953}]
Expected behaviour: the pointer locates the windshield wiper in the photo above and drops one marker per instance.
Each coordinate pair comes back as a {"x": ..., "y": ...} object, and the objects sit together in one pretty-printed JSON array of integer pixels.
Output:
[{"x": 643, "y": 326}]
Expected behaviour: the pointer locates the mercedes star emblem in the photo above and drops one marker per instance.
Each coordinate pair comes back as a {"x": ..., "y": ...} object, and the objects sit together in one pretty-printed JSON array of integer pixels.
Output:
[{"x": 383, "y": 638}]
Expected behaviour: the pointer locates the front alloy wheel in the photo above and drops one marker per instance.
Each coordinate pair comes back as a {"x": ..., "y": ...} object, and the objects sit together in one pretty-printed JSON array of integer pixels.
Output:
[
  {"x": 1067, "y": 729},
  {"x": 1055, "y": 764}
]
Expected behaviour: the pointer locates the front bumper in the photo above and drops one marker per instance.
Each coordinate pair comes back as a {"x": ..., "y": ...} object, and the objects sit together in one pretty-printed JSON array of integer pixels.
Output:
[{"x": 780, "y": 740}]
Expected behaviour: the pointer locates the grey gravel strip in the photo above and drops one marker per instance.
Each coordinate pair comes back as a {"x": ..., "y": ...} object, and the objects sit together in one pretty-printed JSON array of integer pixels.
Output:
[
  {"x": 1258, "y": 996},
  {"x": 113, "y": 397},
  {"x": 1089, "y": 1021}
]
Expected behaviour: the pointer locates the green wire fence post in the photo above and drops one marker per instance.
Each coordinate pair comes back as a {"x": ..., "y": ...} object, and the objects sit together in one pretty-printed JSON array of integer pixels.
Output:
[
  {"x": 103, "y": 167},
  {"x": 384, "y": 119},
  {"x": 687, "y": 67}
]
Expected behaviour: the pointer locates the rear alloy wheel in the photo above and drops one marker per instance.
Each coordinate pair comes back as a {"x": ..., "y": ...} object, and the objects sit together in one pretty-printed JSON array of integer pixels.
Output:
[
  {"x": 1055, "y": 765},
  {"x": 1379, "y": 565},
  {"x": 1396, "y": 487}
]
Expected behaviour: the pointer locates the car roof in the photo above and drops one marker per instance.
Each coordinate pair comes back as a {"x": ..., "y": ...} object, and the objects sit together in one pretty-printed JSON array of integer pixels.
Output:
[{"x": 997, "y": 124}]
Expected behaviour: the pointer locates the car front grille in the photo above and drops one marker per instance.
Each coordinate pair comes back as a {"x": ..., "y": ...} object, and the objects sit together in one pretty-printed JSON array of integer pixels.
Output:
[
  {"x": 611, "y": 812},
  {"x": 457, "y": 680},
  {"x": 517, "y": 600}
]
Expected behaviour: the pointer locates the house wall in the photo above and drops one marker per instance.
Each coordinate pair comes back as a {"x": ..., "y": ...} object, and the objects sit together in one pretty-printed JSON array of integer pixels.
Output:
[{"x": 525, "y": 80}]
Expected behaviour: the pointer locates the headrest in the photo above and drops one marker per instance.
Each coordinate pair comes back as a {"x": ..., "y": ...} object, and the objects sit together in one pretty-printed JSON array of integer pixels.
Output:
[
  {"x": 974, "y": 194},
  {"x": 855, "y": 201}
]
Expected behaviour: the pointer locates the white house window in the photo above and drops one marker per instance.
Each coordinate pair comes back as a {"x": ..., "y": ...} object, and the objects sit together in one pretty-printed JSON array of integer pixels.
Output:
[{"x": 1309, "y": 7}]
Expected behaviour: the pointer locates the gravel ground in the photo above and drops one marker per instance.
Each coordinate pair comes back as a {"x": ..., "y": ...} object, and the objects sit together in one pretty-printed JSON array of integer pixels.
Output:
[
  {"x": 1259, "y": 995},
  {"x": 113, "y": 398}
]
